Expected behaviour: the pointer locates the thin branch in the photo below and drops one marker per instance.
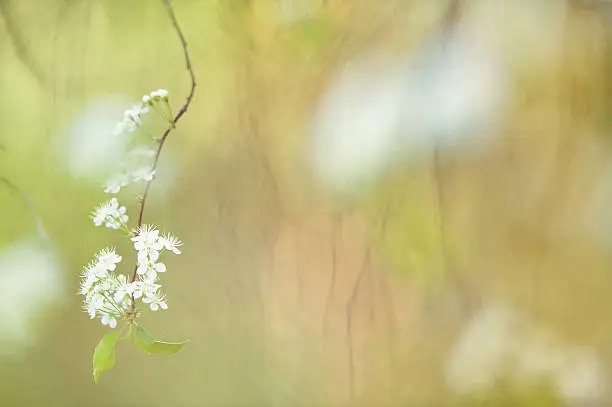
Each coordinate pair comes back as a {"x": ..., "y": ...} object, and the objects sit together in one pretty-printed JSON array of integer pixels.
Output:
[
  {"x": 177, "y": 117},
  {"x": 31, "y": 208}
]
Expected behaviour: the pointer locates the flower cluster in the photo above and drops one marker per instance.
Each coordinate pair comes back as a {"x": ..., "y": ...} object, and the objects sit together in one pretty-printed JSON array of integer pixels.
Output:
[
  {"x": 107, "y": 293},
  {"x": 155, "y": 96},
  {"x": 110, "y": 214},
  {"x": 138, "y": 166},
  {"x": 132, "y": 118},
  {"x": 149, "y": 245}
]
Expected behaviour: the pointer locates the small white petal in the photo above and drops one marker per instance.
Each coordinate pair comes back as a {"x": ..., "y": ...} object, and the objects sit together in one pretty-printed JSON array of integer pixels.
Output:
[
  {"x": 151, "y": 275},
  {"x": 142, "y": 257}
]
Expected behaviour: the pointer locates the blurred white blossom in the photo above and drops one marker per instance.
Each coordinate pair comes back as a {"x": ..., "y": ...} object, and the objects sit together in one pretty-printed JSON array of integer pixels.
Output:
[
  {"x": 115, "y": 184},
  {"x": 95, "y": 144},
  {"x": 293, "y": 11},
  {"x": 501, "y": 343},
  {"x": 31, "y": 284},
  {"x": 144, "y": 174},
  {"x": 580, "y": 378},
  {"x": 98, "y": 147},
  {"x": 377, "y": 113},
  {"x": 482, "y": 351}
]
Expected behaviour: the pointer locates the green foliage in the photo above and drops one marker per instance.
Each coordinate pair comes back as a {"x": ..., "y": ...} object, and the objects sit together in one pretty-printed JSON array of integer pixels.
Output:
[
  {"x": 146, "y": 342},
  {"x": 310, "y": 36},
  {"x": 104, "y": 354},
  {"x": 409, "y": 228},
  {"x": 539, "y": 393}
]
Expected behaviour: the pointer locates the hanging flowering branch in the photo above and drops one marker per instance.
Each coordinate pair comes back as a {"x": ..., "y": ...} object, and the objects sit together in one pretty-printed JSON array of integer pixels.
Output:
[{"x": 109, "y": 294}]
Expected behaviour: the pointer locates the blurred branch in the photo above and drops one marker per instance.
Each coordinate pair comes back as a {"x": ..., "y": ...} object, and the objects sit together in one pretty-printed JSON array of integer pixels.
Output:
[
  {"x": 18, "y": 40},
  {"x": 594, "y": 5},
  {"x": 451, "y": 15},
  {"x": 177, "y": 117},
  {"x": 31, "y": 208},
  {"x": 449, "y": 22}
]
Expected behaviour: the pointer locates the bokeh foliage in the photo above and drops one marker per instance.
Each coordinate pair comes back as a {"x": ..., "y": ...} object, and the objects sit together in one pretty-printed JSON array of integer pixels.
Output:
[{"x": 290, "y": 294}]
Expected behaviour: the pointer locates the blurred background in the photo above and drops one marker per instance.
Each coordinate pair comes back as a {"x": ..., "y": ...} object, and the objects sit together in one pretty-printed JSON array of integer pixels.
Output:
[{"x": 383, "y": 203}]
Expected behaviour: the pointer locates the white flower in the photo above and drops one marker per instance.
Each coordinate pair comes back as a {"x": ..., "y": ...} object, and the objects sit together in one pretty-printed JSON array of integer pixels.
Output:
[
  {"x": 87, "y": 282},
  {"x": 152, "y": 272},
  {"x": 122, "y": 289},
  {"x": 93, "y": 302},
  {"x": 105, "y": 293},
  {"x": 147, "y": 288},
  {"x": 171, "y": 243},
  {"x": 101, "y": 302},
  {"x": 100, "y": 213},
  {"x": 131, "y": 116},
  {"x": 147, "y": 238},
  {"x": 145, "y": 256},
  {"x": 150, "y": 269},
  {"x": 143, "y": 173},
  {"x": 109, "y": 320},
  {"x": 124, "y": 126},
  {"x": 108, "y": 259},
  {"x": 120, "y": 219},
  {"x": 156, "y": 302},
  {"x": 110, "y": 214},
  {"x": 137, "y": 289},
  {"x": 146, "y": 99},
  {"x": 115, "y": 184},
  {"x": 159, "y": 94},
  {"x": 148, "y": 266},
  {"x": 135, "y": 113},
  {"x": 142, "y": 151},
  {"x": 91, "y": 275}
]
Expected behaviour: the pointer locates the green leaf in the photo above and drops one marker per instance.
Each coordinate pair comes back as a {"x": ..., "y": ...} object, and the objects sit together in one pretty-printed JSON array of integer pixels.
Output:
[
  {"x": 104, "y": 354},
  {"x": 146, "y": 342}
]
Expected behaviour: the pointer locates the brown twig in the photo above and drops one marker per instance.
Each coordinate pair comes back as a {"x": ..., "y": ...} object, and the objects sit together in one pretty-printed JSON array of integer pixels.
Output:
[{"x": 171, "y": 126}]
